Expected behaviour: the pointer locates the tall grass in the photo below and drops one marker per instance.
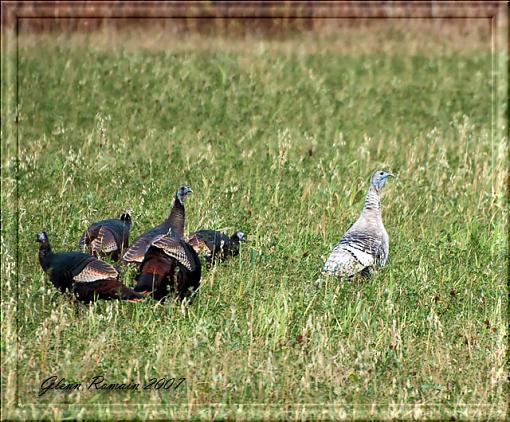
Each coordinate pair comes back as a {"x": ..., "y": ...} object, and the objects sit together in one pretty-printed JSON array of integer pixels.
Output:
[{"x": 280, "y": 144}]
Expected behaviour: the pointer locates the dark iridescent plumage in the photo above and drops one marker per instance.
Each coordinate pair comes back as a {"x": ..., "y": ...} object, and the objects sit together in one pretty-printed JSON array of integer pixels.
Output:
[
  {"x": 170, "y": 264},
  {"x": 215, "y": 245},
  {"x": 108, "y": 237},
  {"x": 84, "y": 275},
  {"x": 174, "y": 222}
]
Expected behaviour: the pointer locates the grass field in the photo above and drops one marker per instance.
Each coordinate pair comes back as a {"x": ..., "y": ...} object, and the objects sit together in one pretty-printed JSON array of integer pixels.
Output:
[{"x": 278, "y": 142}]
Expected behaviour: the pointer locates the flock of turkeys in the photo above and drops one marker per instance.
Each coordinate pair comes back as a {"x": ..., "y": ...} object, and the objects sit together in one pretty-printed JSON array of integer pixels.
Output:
[{"x": 167, "y": 261}]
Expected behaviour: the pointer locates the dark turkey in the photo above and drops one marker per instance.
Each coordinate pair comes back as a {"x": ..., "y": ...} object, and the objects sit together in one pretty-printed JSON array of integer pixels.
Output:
[
  {"x": 174, "y": 222},
  {"x": 216, "y": 245},
  {"x": 82, "y": 274},
  {"x": 169, "y": 265},
  {"x": 108, "y": 237}
]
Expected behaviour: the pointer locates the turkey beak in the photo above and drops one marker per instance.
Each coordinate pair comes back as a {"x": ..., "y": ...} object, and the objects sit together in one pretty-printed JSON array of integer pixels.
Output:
[{"x": 390, "y": 174}]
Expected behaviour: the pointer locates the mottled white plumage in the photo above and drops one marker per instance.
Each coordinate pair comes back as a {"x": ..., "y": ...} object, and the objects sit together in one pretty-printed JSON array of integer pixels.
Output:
[{"x": 366, "y": 244}]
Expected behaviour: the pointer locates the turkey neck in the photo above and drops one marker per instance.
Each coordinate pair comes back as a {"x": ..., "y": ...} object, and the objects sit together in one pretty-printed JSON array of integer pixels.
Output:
[
  {"x": 372, "y": 208},
  {"x": 45, "y": 254},
  {"x": 175, "y": 220}
]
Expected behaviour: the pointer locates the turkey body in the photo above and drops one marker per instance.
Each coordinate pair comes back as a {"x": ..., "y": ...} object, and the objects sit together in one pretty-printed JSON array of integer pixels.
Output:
[
  {"x": 173, "y": 223},
  {"x": 365, "y": 245},
  {"x": 137, "y": 250},
  {"x": 215, "y": 245},
  {"x": 87, "y": 277},
  {"x": 169, "y": 265},
  {"x": 107, "y": 237}
]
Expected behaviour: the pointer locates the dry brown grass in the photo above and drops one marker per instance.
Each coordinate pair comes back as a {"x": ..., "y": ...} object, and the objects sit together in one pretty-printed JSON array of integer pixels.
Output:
[{"x": 398, "y": 36}]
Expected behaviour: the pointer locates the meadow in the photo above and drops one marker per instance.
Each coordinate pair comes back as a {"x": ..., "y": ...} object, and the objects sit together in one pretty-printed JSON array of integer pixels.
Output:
[{"x": 277, "y": 138}]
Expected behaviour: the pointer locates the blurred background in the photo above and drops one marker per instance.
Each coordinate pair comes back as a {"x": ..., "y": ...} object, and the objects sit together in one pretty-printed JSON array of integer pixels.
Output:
[{"x": 235, "y": 17}]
